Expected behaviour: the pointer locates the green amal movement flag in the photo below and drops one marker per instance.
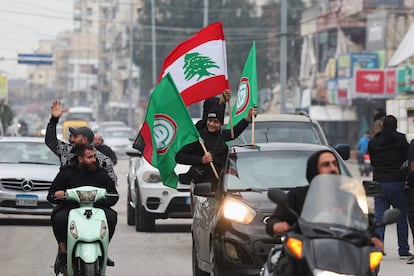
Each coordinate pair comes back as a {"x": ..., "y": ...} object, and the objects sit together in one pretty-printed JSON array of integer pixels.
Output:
[
  {"x": 167, "y": 128},
  {"x": 247, "y": 95}
]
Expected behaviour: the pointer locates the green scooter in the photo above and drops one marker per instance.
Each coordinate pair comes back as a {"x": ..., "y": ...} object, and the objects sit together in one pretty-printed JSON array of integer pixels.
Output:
[{"x": 88, "y": 233}]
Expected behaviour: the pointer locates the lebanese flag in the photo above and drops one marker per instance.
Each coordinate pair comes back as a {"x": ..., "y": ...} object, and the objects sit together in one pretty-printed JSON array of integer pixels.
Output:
[{"x": 198, "y": 66}]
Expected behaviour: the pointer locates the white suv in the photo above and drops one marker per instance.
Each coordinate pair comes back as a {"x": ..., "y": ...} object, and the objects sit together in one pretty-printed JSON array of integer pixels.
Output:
[
  {"x": 149, "y": 199},
  {"x": 291, "y": 128}
]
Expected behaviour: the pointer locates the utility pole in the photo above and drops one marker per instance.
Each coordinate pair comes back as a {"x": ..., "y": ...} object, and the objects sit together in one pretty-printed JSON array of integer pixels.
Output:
[
  {"x": 154, "y": 45},
  {"x": 283, "y": 53},
  {"x": 205, "y": 13},
  {"x": 130, "y": 63}
]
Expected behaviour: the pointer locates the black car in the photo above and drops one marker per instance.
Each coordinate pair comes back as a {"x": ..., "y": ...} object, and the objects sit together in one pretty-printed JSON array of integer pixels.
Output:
[{"x": 228, "y": 229}]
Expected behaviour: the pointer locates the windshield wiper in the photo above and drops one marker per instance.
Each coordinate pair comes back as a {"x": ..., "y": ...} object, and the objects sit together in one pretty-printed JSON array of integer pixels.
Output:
[{"x": 257, "y": 190}]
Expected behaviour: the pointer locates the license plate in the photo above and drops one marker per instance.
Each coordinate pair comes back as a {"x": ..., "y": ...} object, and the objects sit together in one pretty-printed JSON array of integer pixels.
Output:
[
  {"x": 26, "y": 200},
  {"x": 188, "y": 200}
]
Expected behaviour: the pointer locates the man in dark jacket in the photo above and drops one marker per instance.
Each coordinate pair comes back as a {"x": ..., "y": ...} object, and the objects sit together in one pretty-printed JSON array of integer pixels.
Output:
[
  {"x": 84, "y": 172},
  {"x": 98, "y": 141},
  {"x": 388, "y": 150},
  {"x": 320, "y": 162},
  {"x": 215, "y": 140},
  {"x": 79, "y": 136},
  {"x": 409, "y": 189}
]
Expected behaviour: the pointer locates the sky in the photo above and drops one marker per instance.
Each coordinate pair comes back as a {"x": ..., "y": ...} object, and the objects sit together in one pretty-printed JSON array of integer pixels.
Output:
[{"x": 23, "y": 23}]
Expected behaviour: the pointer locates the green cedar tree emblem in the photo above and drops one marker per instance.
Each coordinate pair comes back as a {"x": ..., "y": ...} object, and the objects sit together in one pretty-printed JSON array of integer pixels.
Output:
[{"x": 197, "y": 64}]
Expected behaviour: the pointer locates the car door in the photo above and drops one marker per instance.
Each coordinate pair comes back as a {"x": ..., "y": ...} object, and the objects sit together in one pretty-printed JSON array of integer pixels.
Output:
[{"x": 204, "y": 211}]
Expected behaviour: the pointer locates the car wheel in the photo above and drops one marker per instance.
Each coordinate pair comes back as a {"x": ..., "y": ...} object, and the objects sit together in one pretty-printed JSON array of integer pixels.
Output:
[
  {"x": 130, "y": 210},
  {"x": 214, "y": 269},
  {"x": 196, "y": 270},
  {"x": 143, "y": 222}
]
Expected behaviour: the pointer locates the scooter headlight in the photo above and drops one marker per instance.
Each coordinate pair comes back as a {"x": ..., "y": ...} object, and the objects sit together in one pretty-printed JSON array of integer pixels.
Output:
[
  {"x": 73, "y": 230},
  {"x": 104, "y": 229},
  {"x": 237, "y": 211},
  {"x": 86, "y": 196}
]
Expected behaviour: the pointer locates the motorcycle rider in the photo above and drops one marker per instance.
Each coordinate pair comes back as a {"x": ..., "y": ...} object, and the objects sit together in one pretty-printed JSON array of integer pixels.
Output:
[
  {"x": 78, "y": 136},
  {"x": 84, "y": 172},
  {"x": 321, "y": 162}
]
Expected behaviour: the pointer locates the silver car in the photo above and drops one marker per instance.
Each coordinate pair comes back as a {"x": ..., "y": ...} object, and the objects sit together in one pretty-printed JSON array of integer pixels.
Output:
[{"x": 27, "y": 169}]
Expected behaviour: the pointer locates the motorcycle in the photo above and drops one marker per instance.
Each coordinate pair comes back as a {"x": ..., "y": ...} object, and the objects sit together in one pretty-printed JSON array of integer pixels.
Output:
[
  {"x": 364, "y": 164},
  {"x": 332, "y": 234},
  {"x": 88, "y": 236}
]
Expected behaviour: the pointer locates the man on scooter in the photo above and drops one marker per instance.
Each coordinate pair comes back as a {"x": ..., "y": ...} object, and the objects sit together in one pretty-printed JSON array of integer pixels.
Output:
[
  {"x": 321, "y": 162},
  {"x": 84, "y": 172}
]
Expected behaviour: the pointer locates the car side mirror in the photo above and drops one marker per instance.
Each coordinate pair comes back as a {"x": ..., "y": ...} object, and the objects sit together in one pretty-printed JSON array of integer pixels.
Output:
[
  {"x": 130, "y": 151},
  {"x": 203, "y": 189},
  {"x": 371, "y": 187},
  {"x": 343, "y": 150}
]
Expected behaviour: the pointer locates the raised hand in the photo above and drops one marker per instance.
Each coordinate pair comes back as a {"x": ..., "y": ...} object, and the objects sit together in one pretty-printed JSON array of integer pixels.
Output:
[{"x": 57, "y": 109}]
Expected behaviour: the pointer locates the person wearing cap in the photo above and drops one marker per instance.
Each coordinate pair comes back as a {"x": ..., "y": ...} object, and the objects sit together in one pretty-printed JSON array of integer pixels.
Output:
[
  {"x": 215, "y": 140},
  {"x": 78, "y": 136},
  {"x": 219, "y": 102}
]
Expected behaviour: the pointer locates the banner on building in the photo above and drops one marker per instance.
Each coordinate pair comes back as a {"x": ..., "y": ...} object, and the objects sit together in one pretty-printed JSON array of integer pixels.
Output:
[
  {"x": 348, "y": 63},
  {"x": 375, "y": 83}
]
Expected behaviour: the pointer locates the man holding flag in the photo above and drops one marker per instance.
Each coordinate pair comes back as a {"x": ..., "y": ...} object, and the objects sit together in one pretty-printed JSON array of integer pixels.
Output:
[{"x": 215, "y": 151}]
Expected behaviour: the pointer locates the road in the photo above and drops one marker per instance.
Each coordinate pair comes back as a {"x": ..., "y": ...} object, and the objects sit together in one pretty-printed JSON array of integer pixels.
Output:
[{"x": 29, "y": 248}]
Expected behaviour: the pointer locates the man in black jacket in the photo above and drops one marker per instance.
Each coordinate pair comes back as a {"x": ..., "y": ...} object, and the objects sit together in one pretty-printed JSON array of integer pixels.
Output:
[
  {"x": 84, "y": 172},
  {"x": 320, "y": 162},
  {"x": 98, "y": 141},
  {"x": 388, "y": 150},
  {"x": 215, "y": 140}
]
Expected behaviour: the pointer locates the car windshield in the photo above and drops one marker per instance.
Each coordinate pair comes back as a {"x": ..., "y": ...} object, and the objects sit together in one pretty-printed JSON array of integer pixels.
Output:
[
  {"x": 27, "y": 152},
  {"x": 293, "y": 132},
  {"x": 267, "y": 169},
  {"x": 346, "y": 204}
]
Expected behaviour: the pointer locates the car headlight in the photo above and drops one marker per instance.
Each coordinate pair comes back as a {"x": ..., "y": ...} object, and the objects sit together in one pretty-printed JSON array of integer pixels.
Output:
[
  {"x": 237, "y": 211},
  {"x": 151, "y": 177}
]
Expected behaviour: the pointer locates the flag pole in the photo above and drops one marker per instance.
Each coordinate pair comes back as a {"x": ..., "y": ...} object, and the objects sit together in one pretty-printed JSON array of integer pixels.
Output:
[
  {"x": 231, "y": 120},
  {"x": 252, "y": 130},
  {"x": 211, "y": 163}
]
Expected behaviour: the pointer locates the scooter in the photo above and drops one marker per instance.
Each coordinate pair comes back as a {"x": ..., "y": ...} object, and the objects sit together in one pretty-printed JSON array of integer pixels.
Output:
[
  {"x": 332, "y": 234},
  {"x": 88, "y": 236}
]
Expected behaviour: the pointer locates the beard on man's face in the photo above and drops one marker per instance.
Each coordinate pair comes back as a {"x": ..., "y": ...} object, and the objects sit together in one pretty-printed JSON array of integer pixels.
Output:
[{"x": 89, "y": 167}]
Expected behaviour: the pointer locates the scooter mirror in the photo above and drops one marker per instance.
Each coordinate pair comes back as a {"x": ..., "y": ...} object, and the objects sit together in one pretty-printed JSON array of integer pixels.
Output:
[
  {"x": 279, "y": 197},
  {"x": 390, "y": 216}
]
